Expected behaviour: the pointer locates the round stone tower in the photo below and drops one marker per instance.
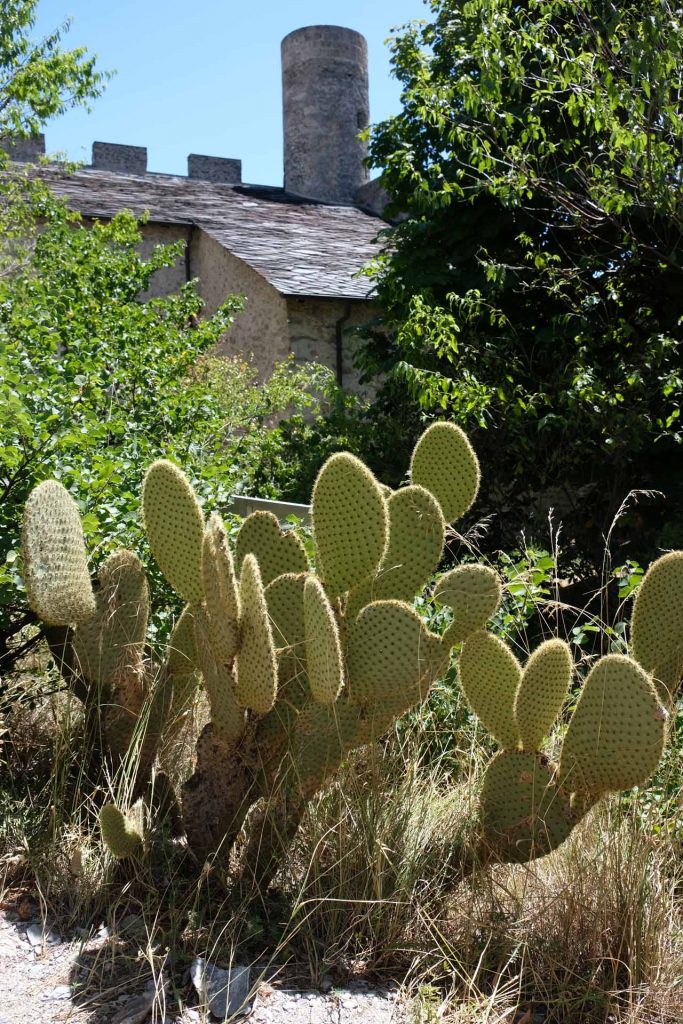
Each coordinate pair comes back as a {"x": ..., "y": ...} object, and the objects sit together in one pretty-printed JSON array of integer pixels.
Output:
[{"x": 325, "y": 105}]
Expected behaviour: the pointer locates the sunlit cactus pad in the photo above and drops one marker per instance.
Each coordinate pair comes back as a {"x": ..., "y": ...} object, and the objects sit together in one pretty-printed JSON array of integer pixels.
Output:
[
  {"x": 489, "y": 676},
  {"x": 323, "y": 647},
  {"x": 390, "y": 653},
  {"x": 616, "y": 735},
  {"x": 416, "y": 536},
  {"x": 657, "y": 623},
  {"x": 276, "y": 551},
  {"x": 55, "y": 563},
  {"x": 350, "y": 523},
  {"x": 256, "y": 661},
  {"x": 542, "y": 691},
  {"x": 473, "y": 592},
  {"x": 221, "y": 596},
  {"x": 174, "y": 524},
  {"x": 444, "y": 462}
]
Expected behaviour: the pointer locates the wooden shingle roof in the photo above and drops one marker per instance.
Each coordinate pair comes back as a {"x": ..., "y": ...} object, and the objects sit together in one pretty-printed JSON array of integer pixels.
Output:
[{"x": 301, "y": 247}]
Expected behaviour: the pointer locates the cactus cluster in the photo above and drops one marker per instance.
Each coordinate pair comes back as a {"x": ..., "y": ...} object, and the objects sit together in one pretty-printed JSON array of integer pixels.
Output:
[
  {"x": 301, "y": 665},
  {"x": 613, "y": 742}
]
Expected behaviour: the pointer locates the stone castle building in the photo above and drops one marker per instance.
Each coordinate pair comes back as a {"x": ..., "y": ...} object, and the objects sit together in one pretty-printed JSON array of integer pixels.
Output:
[{"x": 293, "y": 252}]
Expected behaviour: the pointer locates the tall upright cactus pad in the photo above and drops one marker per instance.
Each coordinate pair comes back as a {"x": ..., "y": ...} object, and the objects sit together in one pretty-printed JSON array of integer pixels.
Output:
[
  {"x": 350, "y": 523},
  {"x": 256, "y": 662},
  {"x": 221, "y": 595},
  {"x": 285, "y": 601},
  {"x": 474, "y": 593},
  {"x": 445, "y": 463},
  {"x": 524, "y": 812},
  {"x": 616, "y": 735},
  {"x": 182, "y": 666},
  {"x": 657, "y": 623},
  {"x": 122, "y": 833},
  {"x": 174, "y": 524},
  {"x": 390, "y": 654},
  {"x": 123, "y": 579},
  {"x": 416, "y": 537},
  {"x": 113, "y": 641},
  {"x": 227, "y": 715},
  {"x": 490, "y": 675},
  {"x": 324, "y": 661},
  {"x": 55, "y": 561},
  {"x": 277, "y": 551},
  {"x": 542, "y": 691}
]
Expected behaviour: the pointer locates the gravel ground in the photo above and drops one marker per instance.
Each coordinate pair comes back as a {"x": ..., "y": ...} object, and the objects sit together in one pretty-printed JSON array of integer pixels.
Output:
[{"x": 47, "y": 977}]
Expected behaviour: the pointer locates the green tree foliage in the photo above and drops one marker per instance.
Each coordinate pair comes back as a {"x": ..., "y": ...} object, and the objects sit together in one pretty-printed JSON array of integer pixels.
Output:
[
  {"x": 95, "y": 384},
  {"x": 39, "y": 79},
  {"x": 533, "y": 292}
]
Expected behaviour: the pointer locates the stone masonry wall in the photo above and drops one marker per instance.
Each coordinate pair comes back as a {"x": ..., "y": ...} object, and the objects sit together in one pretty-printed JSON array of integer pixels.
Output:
[
  {"x": 312, "y": 331},
  {"x": 170, "y": 279},
  {"x": 260, "y": 331},
  {"x": 271, "y": 326}
]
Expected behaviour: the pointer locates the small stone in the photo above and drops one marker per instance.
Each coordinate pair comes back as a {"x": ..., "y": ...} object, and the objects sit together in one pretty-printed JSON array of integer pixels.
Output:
[
  {"x": 61, "y": 992},
  {"x": 37, "y": 936},
  {"x": 135, "y": 1010},
  {"x": 225, "y": 992}
]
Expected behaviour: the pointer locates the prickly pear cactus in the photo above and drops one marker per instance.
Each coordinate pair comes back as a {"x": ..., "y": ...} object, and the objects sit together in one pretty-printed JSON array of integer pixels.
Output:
[
  {"x": 122, "y": 833},
  {"x": 55, "y": 561},
  {"x": 657, "y": 624},
  {"x": 301, "y": 664},
  {"x": 615, "y": 739}
]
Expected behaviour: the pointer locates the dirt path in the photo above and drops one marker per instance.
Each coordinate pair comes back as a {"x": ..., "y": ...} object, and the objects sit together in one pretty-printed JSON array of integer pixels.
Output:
[{"x": 45, "y": 977}]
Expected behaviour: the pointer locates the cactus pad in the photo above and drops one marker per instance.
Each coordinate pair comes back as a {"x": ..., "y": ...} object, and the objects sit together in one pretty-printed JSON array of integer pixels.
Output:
[
  {"x": 657, "y": 623},
  {"x": 444, "y": 462},
  {"x": 285, "y": 600},
  {"x": 474, "y": 593},
  {"x": 121, "y": 833},
  {"x": 322, "y": 735},
  {"x": 114, "y": 640},
  {"x": 122, "y": 578},
  {"x": 489, "y": 676},
  {"x": 174, "y": 525},
  {"x": 416, "y": 535},
  {"x": 182, "y": 665},
  {"x": 542, "y": 691},
  {"x": 616, "y": 736},
  {"x": 391, "y": 655},
  {"x": 220, "y": 591},
  {"x": 226, "y": 714},
  {"x": 323, "y": 648},
  {"x": 350, "y": 523},
  {"x": 525, "y": 814},
  {"x": 277, "y": 551},
  {"x": 55, "y": 562},
  {"x": 256, "y": 662}
]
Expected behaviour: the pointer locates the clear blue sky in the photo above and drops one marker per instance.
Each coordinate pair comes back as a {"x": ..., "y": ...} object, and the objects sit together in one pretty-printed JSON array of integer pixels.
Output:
[{"x": 203, "y": 76}]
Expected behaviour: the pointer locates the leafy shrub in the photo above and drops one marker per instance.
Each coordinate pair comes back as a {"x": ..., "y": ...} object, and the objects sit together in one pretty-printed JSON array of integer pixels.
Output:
[{"x": 94, "y": 383}]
